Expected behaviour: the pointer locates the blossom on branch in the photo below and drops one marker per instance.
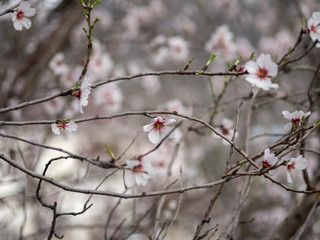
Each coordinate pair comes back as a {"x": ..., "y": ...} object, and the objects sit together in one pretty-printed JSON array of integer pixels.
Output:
[
  {"x": 261, "y": 72},
  {"x": 269, "y": 160},
  {"x": 83, "y": 93},
  {"x": 226, "y": 130},
  {"x": 298, "y": 163},
  {"x": 158, "y": 129},
  {"x": 57, "y": 64},
  {"x": 65, "y": 125},
  {"x": 296, "y": 119},
  {"x": 314, "y": 27},
  {"x": 140, "y": 172},
  {"x": 20, "y": 14}
]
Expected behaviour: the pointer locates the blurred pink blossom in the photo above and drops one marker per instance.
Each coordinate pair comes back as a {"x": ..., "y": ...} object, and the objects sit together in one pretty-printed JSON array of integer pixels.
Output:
[
  {"x": 110, "y": 97},
  {"x": 178, "y": 48},
  {"x": 221, "y": 43},
  {"x": 57, "y": 64},
  {"x": 225, "y": 130}
]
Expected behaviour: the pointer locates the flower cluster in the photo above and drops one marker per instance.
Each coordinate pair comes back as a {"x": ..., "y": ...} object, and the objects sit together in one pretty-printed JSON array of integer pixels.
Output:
[
  {"x": 20, "y": 14},
  {"x": 270, "y": 160}
]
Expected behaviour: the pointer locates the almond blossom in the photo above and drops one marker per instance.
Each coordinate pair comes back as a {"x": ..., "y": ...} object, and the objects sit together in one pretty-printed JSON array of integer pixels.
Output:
[
  {"x": 298, "y": 163},
  {"x": 20, "y": 14},
  {"x": 221, "y": 42},
  {"x": 178, "y": 48},
  {"x": 65, "y": 125},
  {"x": 140, "y": 172},
  {"x": 296, "y": 119},
  {"x": 226, "y": 130},
  {"x": 57, "y": 64},
  {"x": 110, "y": 97},
  {"x": 83, "y": 93},
  {"x": 261, "y": 72},
  {"x": 314, "y": 27},
  {"x": 269, "y": 160},
  {"x": 158, "y": 129}
]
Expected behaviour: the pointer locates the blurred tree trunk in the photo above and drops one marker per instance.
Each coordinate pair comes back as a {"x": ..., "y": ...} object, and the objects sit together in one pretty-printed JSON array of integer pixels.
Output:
[
  {"x": 297, "y": 216},
  {"x": 70, "y": 15}
]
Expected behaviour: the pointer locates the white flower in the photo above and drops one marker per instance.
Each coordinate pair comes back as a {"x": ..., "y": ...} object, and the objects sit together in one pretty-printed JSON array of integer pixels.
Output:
[
  {"x": 65, "y": 125},
  {"x": 158, "y": 129},
  {"x": 83, "y": 93},
  {"x": 314, "y": 27},
  {"x": 141, "y": 171},
  {"x": 20, "y": 14},
  {"x": 269, "y": 160},
  {"x": 261, "y": 72},
  {"x": 178, "y": 48},
  {"x": 57, "y": 64},
  {"x": 226, "y": 130},
  {"x": 295, "y": 119},
  {"x": 298, "y": 163}
]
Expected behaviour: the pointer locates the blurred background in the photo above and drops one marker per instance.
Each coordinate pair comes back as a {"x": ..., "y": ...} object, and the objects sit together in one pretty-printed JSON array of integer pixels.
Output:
[{"x": 137, "y": 36}]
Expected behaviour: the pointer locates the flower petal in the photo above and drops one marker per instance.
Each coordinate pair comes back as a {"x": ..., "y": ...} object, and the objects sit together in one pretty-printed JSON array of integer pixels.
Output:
[
  {"x": 301, "y": 163},
  {"x": 55, "y": 129},
  {"x": 129, "y": 178},
  {"x": 289, "y": 179},
  {"x": 148, "y": 127},
  {"x": 252, "y": 67},
  {"x": 72, "y": 126},
  {"x": 154, "y": 137}
]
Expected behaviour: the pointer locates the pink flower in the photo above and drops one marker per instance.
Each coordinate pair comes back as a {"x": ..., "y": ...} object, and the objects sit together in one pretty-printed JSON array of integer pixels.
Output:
[
  {"x": 261, "y": 72},
  {"x": 314, "y": 27},
  {"x": 57, "y": 64},
  {"x": 83, "y": 93},
  {"x": 221, "y": 42},
  {"x": 65, "y": 125},
  {"x": 158, "y": 129},
  {"x": 296, "y": 119},
  {"x": 20, "y": 14},
  {"x": 110, "y": 97},
  {"x": 269, "y": 160},
  {"x": 178, "y": 48},
  {"x": 140, "y": 172},
  {"x": 226, "y": 130},
  {"x": 298, "y": 163},
  {"x": 151, "y": 84}
]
